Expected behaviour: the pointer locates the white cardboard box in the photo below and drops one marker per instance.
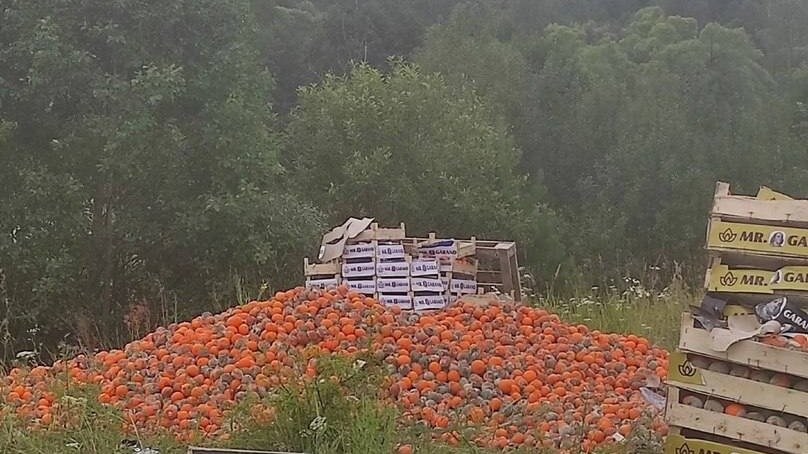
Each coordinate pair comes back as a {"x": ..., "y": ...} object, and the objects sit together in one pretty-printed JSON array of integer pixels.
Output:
[
  {"x": 402, "y": 301},
  {"x": 441, "y": 249},
  {"x": 358, "y": 251},
  {"x": 321, "y": 283},
  {"x": 364, "y": 269},
  {"x": 424, "y": 267},
  {"x": 367, "y": 287},
  {"x": 390, "y": 251},
  {"x": 393, "y": 285},
  {"x": 463, "y": 286},
  {"x": 426, "y": 284},
  {"x": 429, "y": 302},
  {"x": 392, "y": 269}
]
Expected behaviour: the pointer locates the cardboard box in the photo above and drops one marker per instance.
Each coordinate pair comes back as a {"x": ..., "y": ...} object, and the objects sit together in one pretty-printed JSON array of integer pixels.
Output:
[
  {"x": 463, "y": 286},
  {"x": 359, "y": 251},
  {"x": 426, "y": 284},
  {"x": 393, "y": 285},
  {"x": 390, "y": 251},
  {"x": 363, "y": 269},
  {"x": 322, "y": 283},
  {"x": 443, "y": 250},
  {"x": 392, "y": 269},
  {"x": 424, "y": 267},
  {"x": 367, "y": 287},
  {"x": 402, "y": 301},
  {"x": 426, "y": 302}
]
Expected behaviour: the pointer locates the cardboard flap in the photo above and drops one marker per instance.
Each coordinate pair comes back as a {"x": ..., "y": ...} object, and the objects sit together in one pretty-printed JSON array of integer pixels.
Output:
[{"x": 334, "y": 241}]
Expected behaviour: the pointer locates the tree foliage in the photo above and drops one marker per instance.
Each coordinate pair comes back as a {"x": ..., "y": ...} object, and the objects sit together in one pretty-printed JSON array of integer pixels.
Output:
[
  {"x": 140, "y": 160},
  {"x": 405, "y": 146}
]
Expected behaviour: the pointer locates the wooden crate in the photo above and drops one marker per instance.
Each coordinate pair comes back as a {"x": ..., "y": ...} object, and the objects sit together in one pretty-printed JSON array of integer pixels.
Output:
[
  {"x": 760, "y": 228},
  {"x": 499, "y": 267},
  {"x": 733, "y": 427},
  {"x": 748, "y": 352},
  {"x": 684, "y": 375},
  {"x": 768, "y": 207}
]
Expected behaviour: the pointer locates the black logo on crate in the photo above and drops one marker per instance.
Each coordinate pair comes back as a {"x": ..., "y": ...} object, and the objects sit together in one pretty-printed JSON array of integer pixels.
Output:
[
  {"x": 728, "y": 280},
  {"x": 687, "y": 369},
  {"x": 684, "y": 449},
  {"x": 727, "y": 236}
]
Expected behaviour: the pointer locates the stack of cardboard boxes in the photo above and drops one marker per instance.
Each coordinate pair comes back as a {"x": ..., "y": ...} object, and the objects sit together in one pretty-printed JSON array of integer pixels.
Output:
[{"x": 396, "y": 270}]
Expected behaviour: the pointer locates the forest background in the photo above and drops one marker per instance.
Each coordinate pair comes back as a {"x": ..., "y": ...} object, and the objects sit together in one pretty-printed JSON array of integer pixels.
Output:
[{"x": 160, "y": 159}]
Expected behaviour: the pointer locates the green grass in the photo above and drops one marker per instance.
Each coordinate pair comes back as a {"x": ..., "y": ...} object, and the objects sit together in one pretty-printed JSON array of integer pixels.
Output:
[
  {"x": 345, "y": 417},
  {"x": 636, "y": 310}
]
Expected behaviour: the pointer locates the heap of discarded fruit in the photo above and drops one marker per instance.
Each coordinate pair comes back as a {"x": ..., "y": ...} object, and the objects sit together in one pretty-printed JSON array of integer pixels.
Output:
[{"x": 517, "y": 373}]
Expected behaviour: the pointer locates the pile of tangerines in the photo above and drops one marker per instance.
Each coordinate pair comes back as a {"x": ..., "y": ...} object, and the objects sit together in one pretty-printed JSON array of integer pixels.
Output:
[{"x": 516, "y": 374}]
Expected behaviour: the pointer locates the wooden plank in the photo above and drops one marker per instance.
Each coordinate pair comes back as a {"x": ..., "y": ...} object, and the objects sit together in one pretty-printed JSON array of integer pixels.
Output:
[
  {"x": 380, "y": 234},
  {"x": 199, "y": 450},
  {"x": 766, "y": 193},
  {"x": 489, "y": 276},
  {"x": 736, "y": 428},
  {"x": 505, "y": 269},
  {"x": 733, "y": 257},
  {"x": 742, "y": 390},
  {"x": 319, "y": 269},
  {"x": 749, "y": 353},
  {"x": 779, "y": 212}
]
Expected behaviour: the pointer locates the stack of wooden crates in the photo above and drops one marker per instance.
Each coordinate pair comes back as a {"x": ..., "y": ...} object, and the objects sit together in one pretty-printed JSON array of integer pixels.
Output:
[
  {"x": 753, "y": 397},
  {"x": 418, "y": 273}
]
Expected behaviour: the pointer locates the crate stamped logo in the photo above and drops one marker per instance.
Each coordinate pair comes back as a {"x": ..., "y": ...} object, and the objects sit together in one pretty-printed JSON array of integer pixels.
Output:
[
  {"x": 680, "y": 369},
  {"x": 676, "y": 444},
  {"x": 759, "y": 238},
  {"x": 790, "y": 278},
  {"x": 741, "y": 280}
]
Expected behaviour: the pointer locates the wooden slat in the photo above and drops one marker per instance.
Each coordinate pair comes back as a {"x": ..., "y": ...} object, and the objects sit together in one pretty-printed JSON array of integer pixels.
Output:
[
  {"x": 733, "y": 257},
  {"x": 318, "y": 269},
  {"x": 199, "y": 450},
  {"x": 748, "y": 352},
  {"x": 748, "y": 392},
  {"x": 489, "y": 276},
  {"x": 778, "y": 212},
  {"x": 758, "y": 433}
]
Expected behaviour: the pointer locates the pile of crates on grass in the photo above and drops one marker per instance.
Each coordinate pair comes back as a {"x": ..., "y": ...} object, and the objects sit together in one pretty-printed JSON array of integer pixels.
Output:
[
  {"x": 415, "y": 273},
  {"x": 738, "y": 383}
]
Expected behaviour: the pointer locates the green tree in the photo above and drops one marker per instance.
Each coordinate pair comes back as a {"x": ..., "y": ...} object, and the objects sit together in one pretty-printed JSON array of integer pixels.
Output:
[
  {"x": 143, "y": 165},
  {"x": 404, "y": 146}
]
